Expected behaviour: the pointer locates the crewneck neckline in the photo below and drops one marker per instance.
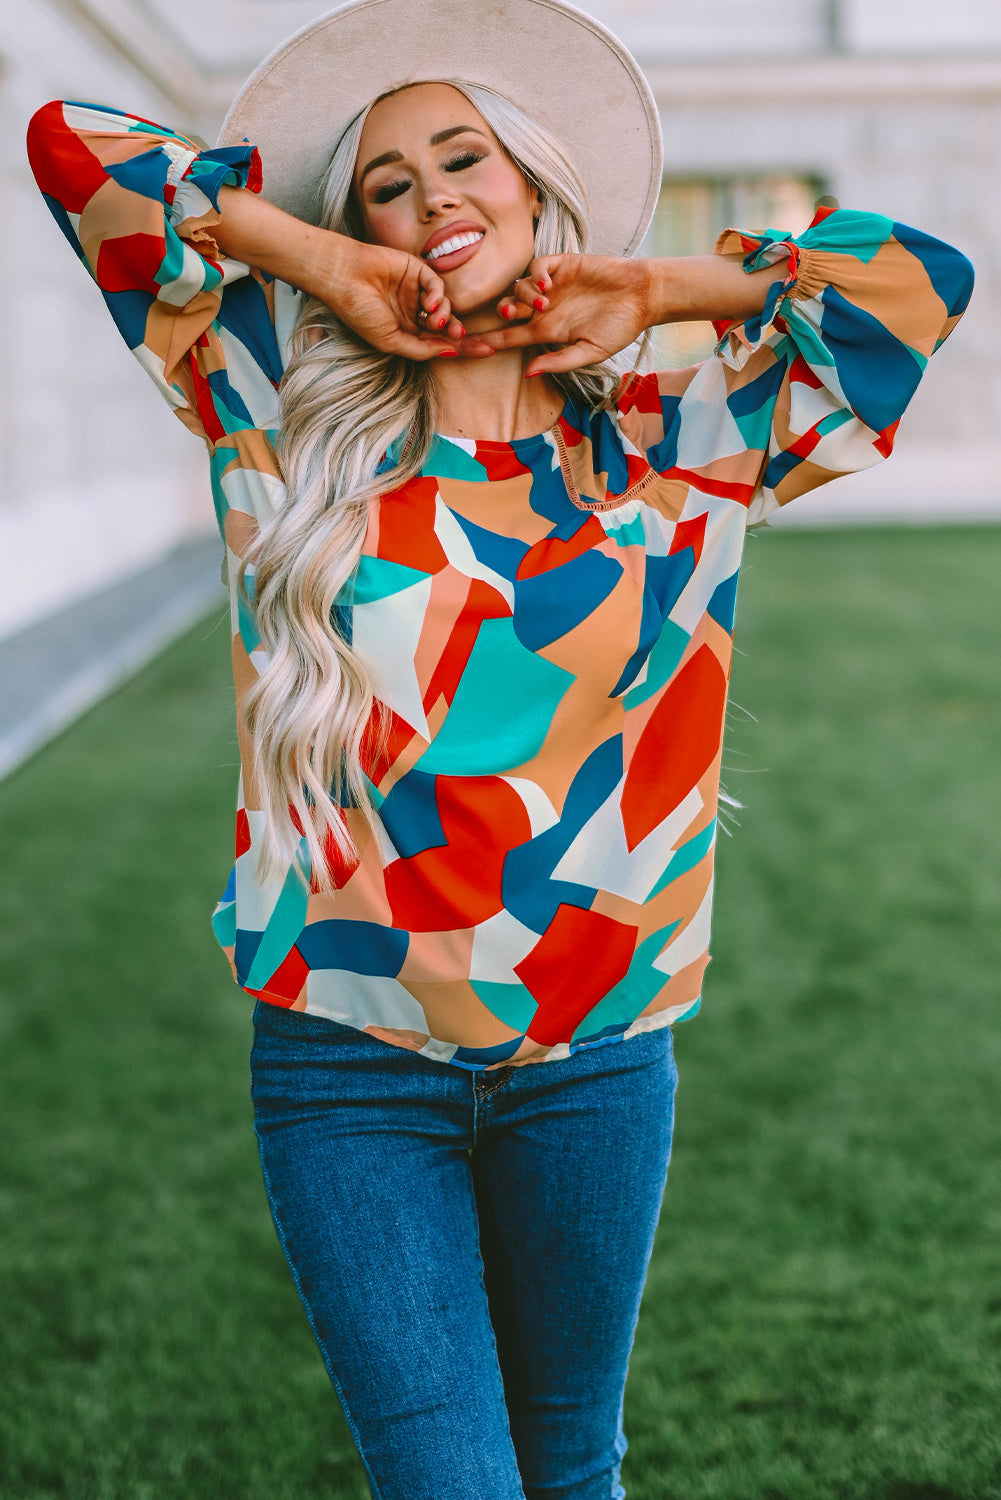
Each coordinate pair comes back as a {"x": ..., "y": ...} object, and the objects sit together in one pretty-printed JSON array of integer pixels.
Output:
[{"x": 536, "y": 440}]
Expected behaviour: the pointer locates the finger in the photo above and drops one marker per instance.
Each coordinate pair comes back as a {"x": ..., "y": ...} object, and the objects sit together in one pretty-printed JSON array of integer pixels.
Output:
[
  {"x": 475, "y": 347},
  {"x": 418, "y": 349},
  {"x": 540, "y": 272},
  {"x": 572, "y": 357},
  {"x": 512, "y": 310},
  {"x": 518, "y": 335},
  {"x": 530, "y": 293}
]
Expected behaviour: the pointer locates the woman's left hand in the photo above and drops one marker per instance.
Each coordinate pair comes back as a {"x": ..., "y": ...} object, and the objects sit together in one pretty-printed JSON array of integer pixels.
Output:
[{"x": 591, "y": 305}]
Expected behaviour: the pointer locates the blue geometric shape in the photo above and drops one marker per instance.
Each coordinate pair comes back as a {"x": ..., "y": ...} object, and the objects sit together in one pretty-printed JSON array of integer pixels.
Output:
[
  {"x": 130, "y": 311},
  {"x": 551, "y": 604},
  {"x": 878, "y": 373},
  {"x": 778, "y": 467},
  {"x": 949, "y": 272},
  {"x": 244, "y": 313},
  {"x": 145, "y": 174},
  {"x": 723, "y": 603},
  {"x": 247, "y": 944},
  {"x": 360, "y": 947},
  {"x": 410, "y": 815}
]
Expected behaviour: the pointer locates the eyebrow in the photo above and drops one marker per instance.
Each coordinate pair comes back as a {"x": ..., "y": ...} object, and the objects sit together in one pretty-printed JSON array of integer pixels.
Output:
[{"x": 437, "y": 139}]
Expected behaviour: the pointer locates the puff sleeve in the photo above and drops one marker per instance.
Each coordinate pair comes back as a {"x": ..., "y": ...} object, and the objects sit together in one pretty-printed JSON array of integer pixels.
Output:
[
  {"x": 137, "y": 202},
  {"x": 818, "y": 383}
]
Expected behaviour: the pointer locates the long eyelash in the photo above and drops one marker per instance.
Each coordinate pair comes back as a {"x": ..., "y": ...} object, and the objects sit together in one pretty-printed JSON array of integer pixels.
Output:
[
  {"x": 459, "y": 163},
  {"x": 389, "y": 190}
]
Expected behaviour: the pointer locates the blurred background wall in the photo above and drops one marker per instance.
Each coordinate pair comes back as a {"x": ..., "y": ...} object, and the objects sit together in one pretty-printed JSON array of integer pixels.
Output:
[{"x": 892, "y": 105}]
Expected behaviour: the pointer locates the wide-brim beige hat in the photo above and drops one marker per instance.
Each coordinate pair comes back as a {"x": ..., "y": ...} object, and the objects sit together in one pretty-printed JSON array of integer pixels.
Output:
[{"x": 559, "y": 65}]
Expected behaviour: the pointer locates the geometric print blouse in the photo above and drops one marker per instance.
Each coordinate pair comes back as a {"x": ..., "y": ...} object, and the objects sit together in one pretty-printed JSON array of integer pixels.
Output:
[{"x": 547, "y": 622}]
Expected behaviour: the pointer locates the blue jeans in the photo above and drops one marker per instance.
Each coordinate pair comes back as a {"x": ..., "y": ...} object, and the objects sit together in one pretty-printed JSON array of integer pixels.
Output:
[{"x": 470, "y": 1248}]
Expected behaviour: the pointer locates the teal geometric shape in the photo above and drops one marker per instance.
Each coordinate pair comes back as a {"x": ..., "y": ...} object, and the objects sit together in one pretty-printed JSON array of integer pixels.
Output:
[
  {"x": 837, "y": 419},
  {"x": 667, "y": 651},
  {"x": 285, "y": 924},
  {"x": 629, "y": 534},
  {"x": 224, "y": 925},
  {"x": 502, "y": 709},
  {"x": 692, "y": 1010},
  {"x": 755, "y": 427},
  {"x": 686, "y": 858},
  {"x": 510, "y": 1003},
  {"x": 247, "y": 624},
  {"x": 173, "y": 260},
  {"x": 448, "y": 461},
  {"x": 377, "y": 578},
  {"x": 806, "y": 338},
  {"x": 634, "y": 992},
  {"x": 853, "y": 232}
]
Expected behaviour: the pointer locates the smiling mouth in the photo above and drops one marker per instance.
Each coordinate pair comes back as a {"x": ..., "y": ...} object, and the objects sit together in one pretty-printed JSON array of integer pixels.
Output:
[{"x": 454, "y": 246}]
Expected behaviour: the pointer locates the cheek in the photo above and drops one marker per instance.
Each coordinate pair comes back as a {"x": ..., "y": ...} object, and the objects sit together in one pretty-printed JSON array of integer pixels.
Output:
[
  {"x": 508, "y": 190},
  {"x": 385, "y": 225}
]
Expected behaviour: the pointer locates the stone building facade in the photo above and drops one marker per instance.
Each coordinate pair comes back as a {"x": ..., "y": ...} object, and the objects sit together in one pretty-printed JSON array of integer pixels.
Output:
[{"x": 888, "y": 104}]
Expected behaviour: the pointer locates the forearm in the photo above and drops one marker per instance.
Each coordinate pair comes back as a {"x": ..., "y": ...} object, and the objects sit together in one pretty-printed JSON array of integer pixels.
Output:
[
  {"x": 259, "y": 234},
  {"x": 691, "y": 288}
]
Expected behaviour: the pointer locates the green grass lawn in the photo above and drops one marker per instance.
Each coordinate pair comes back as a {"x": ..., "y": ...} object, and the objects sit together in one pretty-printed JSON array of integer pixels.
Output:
[{"x": 823, "y": 1313}]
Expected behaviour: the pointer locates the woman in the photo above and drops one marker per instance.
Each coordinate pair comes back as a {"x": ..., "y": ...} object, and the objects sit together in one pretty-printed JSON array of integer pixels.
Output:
[{"x": 483, "y": 583}]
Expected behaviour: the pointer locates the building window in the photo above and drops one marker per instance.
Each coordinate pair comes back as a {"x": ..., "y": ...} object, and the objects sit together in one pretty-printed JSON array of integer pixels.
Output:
[{"x": 691, "y": 213}]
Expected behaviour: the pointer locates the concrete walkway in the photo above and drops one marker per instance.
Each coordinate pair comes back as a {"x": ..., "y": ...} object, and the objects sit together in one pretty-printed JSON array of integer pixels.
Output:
[{"x": 55, "y": 669}]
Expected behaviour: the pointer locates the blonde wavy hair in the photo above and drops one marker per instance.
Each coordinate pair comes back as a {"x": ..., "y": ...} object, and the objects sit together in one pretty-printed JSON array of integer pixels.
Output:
[{"x": 345, "y": 407}]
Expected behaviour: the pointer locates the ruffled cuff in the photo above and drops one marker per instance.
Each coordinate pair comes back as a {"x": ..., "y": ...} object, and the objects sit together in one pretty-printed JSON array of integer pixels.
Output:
[
  {"x": 194, "y": 178},
  {"x": 800, "y": 279}
]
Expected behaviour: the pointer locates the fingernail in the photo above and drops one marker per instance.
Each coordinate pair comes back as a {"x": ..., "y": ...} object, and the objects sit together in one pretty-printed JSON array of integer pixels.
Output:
[
  {"x": 530, "y": 373},
  {"x": 442, "y": 322},
  {"x": 448, "y": 353},
  {"x": 542, "y": 286},
  {"x": 505, "y": 312},
  {"x": 538, "y": 304},
  {"x": 462, "y": 331},
  {"x": 434, "y": 308}
]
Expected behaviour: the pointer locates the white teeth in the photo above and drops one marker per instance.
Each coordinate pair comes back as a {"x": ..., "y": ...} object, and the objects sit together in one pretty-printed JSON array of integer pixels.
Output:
[{"x": 457, "y": 242}]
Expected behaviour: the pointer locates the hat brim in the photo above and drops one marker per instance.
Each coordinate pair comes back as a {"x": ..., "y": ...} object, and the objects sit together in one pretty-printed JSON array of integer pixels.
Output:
[{"x": 560, "y": 66}]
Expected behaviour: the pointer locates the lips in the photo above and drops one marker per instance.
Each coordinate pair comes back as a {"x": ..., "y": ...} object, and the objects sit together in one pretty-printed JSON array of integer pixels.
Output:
[{"x": 450, "y": 231}]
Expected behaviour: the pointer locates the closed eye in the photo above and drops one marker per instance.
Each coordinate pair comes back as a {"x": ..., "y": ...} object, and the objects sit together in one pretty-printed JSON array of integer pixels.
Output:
[
  {"x": 389, "y": 191},
  {"x": 463, "y": 160}
]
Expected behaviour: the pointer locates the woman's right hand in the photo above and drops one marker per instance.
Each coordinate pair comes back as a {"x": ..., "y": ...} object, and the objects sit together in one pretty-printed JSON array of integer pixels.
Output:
[{"x": 380, "y": 293}]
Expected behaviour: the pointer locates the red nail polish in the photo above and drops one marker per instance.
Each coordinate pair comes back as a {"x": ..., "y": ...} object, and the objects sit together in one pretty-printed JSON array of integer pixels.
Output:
[
  {"x": 442, "y": 322},
  {"x": 448, "y": 353},
  {"x": 542, "y": 286},
  {"x": 505, "y": 312},
  {"x": 538, "y": 304},
  {"x": 462, "y": 331},
  {"x": 434, "y": 308}
]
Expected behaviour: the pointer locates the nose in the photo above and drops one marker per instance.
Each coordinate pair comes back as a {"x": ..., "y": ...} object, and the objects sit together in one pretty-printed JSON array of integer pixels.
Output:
[{"x": 440, "y": 196}]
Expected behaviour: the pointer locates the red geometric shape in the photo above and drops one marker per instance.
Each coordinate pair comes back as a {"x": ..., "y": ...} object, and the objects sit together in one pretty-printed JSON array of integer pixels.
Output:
[
  {"x": 204, "y": 400},
  {"x": 243, "y": 832},
  {"x": 725, "y": 490},
  {"x": 483, "y": 602},
  {"x": 285, "y": 984},
  {"x": 678, "y": 745},
  {"x": 406, "y": 526},
  {"x": 577, "y": 960},
  {"x": 64, "y": 168},
  {"x": 129, "y": 262},
  {"x": 690, "y": 534},
  {"x": 639, "y": 393},
  {"x": 459, "y": 883},
  {"x": 553, "y": 552},
  {"x": 884, "y": 443}
]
